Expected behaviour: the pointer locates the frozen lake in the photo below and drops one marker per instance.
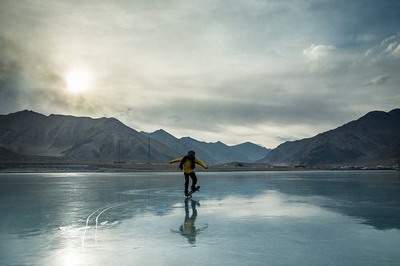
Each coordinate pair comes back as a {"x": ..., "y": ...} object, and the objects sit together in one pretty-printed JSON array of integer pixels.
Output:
[{"x": 258, "y": 218}]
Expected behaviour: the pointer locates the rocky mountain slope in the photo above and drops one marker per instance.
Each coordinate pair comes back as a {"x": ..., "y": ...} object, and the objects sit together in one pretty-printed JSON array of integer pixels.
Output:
[
  {"x": 212, "y": 152},
  {"x": 373, "y": 138},
  {"x": 78, "y": 138},
  {"x": 26, "y": 133}
]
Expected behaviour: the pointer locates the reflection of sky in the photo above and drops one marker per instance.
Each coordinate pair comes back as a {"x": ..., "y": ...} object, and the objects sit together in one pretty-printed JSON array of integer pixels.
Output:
[
  {"x": 295, "y": 218},
  {"x": 268, "y": 204},
  {"x": 271, "y": 226}
]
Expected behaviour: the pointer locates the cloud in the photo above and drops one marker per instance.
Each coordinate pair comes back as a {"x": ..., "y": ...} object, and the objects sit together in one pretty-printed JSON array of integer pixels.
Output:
[
  {"x": 395, "y": 49},
  {"x": 219, "y": 112},
  {"x": 391, "y": 46},
  {"x": 29, "y": 81},
  {"x": 387, "y": 49},
  {"x": 325, "y": 58},
  {"x": 379, "y": 80},
  {"x": 318, "y": 52}
]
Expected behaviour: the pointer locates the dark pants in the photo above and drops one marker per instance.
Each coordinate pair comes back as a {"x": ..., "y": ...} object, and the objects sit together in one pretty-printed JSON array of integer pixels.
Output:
[{"x": 194, "y": 181}]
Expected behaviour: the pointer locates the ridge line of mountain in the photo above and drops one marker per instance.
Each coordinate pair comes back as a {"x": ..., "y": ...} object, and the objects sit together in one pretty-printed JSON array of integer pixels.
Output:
[
  {"x": 106, "y": 139},
  {"x": 371, "y": 139}
]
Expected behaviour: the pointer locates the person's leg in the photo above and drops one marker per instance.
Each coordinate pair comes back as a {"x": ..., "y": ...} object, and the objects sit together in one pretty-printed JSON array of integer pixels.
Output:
[
  {"x": 194, "y": 180},
  {"x": 186, "y": 183}
]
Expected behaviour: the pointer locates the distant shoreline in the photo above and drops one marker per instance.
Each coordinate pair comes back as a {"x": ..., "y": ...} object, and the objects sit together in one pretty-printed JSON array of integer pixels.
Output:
[
  {"x": 35, "y": 167},
  {"x": 211, "y": 171}
]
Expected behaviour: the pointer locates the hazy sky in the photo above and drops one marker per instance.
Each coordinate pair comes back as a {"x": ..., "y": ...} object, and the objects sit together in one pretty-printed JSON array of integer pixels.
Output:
[{"x": 261, "y": 71}]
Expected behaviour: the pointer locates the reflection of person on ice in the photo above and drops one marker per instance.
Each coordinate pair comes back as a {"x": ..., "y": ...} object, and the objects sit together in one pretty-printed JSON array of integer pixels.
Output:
[
  {"x": 188, "y": 164},
  {"x": 188, "y": 228}
]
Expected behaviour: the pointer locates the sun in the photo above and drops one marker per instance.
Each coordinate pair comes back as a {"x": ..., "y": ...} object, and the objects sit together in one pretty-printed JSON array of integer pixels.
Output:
[{"x": 78, "y": 80}]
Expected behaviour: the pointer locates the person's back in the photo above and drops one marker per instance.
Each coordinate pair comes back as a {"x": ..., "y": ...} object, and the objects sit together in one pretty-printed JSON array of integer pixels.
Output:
[{"x": 188, "y": 163}]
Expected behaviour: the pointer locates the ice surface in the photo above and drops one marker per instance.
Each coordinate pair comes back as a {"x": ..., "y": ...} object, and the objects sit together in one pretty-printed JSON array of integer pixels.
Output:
[{"x": 259, "y": 218}]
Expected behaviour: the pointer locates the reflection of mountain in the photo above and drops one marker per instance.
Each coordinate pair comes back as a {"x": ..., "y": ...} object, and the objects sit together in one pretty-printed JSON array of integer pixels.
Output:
[
  {"x": 26, "y": 135},
  {"x": 374, "y": 138},
  {"x": 372, "y": 197}
]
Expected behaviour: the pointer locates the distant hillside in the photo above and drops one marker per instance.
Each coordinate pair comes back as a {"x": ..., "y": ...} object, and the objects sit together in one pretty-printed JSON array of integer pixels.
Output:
[
  {"x": 373, "y": 138},
  {"x": 79, "y": 138},
  {"x": 252, "y": 151},
  {"x": 27, "y": 134},
  {"x": 212, "y": 152},
  {"x": 7, "y": 155}
]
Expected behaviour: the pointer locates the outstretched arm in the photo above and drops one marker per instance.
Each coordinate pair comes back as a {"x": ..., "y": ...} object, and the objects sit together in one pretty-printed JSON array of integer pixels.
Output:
[
  {"x": 176, "y": 160},
  {"x": 201, "y": 163}
]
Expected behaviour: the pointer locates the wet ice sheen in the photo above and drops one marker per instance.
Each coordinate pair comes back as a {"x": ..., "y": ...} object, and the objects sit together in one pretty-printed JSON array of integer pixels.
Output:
[{"x": 263, "y": 218}]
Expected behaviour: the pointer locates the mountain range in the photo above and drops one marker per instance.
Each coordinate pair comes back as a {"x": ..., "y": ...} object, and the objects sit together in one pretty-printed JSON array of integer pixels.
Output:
[
  {"x": 213, "y": 152},
  {"x": 27, "y": 134},
  {"x": 371, "y": 139}
]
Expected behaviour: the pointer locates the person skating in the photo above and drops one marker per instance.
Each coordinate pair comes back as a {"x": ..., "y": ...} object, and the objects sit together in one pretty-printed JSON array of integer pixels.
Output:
[{"x": 188, "y": 163}]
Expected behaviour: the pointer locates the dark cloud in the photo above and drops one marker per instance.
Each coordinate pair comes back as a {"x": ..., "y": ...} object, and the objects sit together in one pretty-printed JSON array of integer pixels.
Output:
[
  {"x": 10, "y": 77},
  {"x": 345, "y": 23},
  {"x": 217, "y": 113},
  {"x": 379, "y": 80},
  {"x": 28, "y": 82}
]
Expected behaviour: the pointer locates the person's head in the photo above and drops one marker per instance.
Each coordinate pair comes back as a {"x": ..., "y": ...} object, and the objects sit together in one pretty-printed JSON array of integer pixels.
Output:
[{"x": 191, "y": 153}]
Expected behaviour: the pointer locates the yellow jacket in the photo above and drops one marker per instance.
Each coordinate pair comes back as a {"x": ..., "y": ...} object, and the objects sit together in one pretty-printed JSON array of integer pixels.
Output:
[{"x": 187, "y": 166}]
